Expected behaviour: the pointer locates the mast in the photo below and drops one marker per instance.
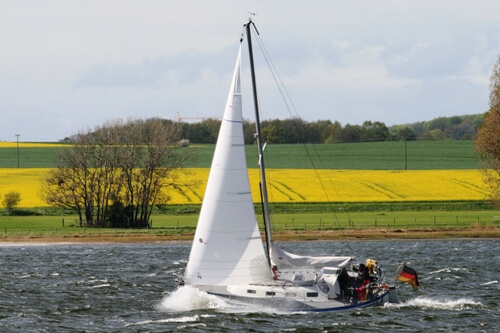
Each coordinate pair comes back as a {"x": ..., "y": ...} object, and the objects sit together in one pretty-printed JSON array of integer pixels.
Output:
[{"x": 267, "y": 218}]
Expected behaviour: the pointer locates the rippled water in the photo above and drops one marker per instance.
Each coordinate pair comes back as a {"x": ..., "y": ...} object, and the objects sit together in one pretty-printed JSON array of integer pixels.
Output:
[{"x": 133, "y": 288}]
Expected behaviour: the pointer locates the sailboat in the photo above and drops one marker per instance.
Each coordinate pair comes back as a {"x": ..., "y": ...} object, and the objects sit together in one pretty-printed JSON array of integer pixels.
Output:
[{"x": 228, "y": 257}]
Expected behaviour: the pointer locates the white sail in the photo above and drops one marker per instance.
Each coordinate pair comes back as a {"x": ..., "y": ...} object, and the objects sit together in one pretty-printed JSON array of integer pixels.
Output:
[
  {"x": 227, "y": 247},
  {"x": 281, "y": 258}
]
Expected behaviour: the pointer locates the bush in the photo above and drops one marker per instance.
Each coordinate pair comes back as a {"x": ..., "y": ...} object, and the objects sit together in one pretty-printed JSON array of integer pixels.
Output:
[{"x": 11, "y": 200}]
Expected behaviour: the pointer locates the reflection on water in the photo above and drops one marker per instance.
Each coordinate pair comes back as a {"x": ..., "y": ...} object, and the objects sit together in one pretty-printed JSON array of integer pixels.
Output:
[{"x": 129, "y": 288}]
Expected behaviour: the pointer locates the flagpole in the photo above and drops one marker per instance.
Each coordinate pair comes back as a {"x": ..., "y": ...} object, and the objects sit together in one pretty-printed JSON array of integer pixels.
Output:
[{"x": 397, "y": 272}]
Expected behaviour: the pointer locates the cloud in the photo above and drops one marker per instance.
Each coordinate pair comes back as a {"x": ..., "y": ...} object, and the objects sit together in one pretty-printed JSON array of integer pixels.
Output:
[
  {"x": 181, "y": 69},
  {"x": 393, "y": 61}
]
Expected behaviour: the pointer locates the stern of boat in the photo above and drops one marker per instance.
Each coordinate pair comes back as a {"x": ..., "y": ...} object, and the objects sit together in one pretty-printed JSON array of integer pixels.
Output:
[{"x": 392, "y": 296}]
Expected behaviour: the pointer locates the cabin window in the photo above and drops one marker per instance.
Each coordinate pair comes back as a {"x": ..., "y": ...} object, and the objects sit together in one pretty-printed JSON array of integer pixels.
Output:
[
  {"x": 312, "y": 294},
  {"x": 251, "y": 291},
  {"x": 270, "y": 293}
]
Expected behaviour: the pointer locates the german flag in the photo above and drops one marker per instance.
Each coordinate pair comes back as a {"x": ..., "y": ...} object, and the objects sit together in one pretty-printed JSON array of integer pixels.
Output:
[{"x": 409, "y": 275}]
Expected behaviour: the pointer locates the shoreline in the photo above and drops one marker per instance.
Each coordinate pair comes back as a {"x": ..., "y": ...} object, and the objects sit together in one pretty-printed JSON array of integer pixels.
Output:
[{"x": 286, "y": 236}]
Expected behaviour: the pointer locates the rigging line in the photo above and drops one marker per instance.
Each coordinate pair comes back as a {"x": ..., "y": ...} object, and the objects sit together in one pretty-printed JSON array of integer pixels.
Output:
[{"x": 288, "y": 100}]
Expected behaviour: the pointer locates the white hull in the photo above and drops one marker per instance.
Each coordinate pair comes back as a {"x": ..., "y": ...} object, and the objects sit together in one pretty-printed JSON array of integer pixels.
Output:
[{"x": 293, "y": 298}]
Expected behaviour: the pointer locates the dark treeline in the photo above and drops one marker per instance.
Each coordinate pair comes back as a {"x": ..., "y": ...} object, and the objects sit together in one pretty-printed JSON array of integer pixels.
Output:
[{"x": 326, "y": 131}]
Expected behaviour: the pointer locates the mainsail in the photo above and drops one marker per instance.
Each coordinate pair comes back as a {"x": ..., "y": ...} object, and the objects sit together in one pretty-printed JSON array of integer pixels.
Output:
[{"x": 227, "y": 247}]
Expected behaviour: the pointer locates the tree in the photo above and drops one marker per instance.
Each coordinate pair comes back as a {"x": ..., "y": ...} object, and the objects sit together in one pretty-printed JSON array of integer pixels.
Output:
[
  {"x": 488, "y": 138},
  {"x": 148, "y": 162},
  {"x": 118, "y": 171},
  {"x": 86, "y": 176},
  {"x": 351, "y": 133},
  {"x": 249, "y": 132},
  {"x": 331, "y": 134},
  {"x": 374, "y": 131},
  {"x": 403, "y": 133},
  {"x": 432, "y": 135},
  {"x": 11, "y": 200}
]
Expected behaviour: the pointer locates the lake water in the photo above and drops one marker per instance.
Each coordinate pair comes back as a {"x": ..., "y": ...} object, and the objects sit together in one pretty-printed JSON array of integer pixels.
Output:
[{"x": 133, "y": 288}]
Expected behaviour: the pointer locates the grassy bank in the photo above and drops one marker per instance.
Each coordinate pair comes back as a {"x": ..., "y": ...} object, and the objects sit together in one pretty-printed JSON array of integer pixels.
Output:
[{"x": 297, "y": 226}]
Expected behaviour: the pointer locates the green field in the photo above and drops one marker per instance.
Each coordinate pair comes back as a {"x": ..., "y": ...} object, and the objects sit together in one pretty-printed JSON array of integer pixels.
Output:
[
  {"x": 389, "y": 155},
  {"x": 178, "y": 220},
  {"x": 176, "y": 224}
]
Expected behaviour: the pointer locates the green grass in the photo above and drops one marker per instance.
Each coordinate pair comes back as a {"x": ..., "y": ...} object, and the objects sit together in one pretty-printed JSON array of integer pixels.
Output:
[
  {"x": 29, "y": 157},
  {"x": 420, "y": 155},
  {"x": 390, "y": 220},
  {"x": 182, "y": 224}
]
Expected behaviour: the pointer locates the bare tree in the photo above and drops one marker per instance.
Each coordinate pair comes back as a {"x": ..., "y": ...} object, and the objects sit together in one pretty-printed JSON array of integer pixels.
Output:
[
  {"x": 71, "y": 184},
  {"x": 115, "y": 175},
  {"x": 149, "y": 162},
  {"x": 488, "y": 138}
]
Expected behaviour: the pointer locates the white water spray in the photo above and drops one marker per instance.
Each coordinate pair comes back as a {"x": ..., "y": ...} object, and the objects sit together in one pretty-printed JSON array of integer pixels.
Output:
[
  {"x": 187, "y": 298},
  {"x": 438, "y": 304}
]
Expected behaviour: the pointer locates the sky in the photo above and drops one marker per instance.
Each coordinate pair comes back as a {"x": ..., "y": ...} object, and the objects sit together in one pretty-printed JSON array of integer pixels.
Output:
[{"x": 70, "y": 65}]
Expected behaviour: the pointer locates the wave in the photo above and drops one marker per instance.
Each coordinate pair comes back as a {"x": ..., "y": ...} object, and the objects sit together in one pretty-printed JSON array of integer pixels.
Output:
[
  {"x": 104, "y": 285},
  {"x": 184, "y": 319},
  {"x": 187, "y": 298},
  {"x": 490, "y": 282},
  {"x": 439, "y": 304},
  {"x": 450, "y": 270}
]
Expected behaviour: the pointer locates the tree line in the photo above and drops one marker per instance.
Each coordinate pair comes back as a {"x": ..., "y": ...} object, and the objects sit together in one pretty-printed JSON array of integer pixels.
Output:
[
  {"x": 325, "y": 131},
  {"x": 297, "y": 130}
]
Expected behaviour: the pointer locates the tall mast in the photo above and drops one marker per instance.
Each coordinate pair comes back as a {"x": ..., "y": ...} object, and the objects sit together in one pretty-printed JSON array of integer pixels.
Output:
[{"x": 267, "y": 218}]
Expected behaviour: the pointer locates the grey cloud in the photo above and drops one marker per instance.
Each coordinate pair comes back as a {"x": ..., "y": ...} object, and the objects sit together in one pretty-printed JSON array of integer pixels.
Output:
[{"x": 184, "y": 68}]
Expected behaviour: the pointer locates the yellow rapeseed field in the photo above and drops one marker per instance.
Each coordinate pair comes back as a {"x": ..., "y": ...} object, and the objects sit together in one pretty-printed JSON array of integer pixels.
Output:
[
  {"x": 30, "y": 144},
  {"x": 299, "y": 185},
  {"x": 25, "y": 181}
]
